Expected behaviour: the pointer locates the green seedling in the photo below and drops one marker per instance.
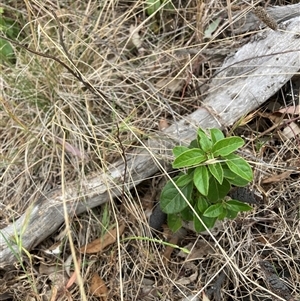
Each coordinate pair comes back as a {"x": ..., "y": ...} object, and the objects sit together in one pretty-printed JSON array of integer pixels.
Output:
[{"x": 208, "y": 168}]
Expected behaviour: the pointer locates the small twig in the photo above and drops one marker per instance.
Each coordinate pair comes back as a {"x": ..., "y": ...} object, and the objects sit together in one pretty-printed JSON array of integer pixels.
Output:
[
  {"x": 123, "y": 154},
  {"x": 282, "y": 123},
  {"x": 61, "y": 38}
]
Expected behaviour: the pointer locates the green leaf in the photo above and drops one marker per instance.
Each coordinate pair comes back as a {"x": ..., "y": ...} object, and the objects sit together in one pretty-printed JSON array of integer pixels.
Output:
[
  {"x": 217, "y": 191},
  {"x": 9, "y": 27},
  {"x": 187, "y": 214},
  {"x": 194, "y": 144},
  {"x": 233, "y": 178},
  {"x": 183, "y": 180},
  {"x": 239, "y": 182},
  {"x": 226, "y": 146},
  {"x": 236, "y": 205},
  {"x": 189, "y": 158},
  {"x": 214, "y": 210},
  {"x": 201, "y": 179},
  {"x": 208, "y": 221},
  {"x": 174, "y": 222},
  {"x": 239, "y": 166},
  {"x": 213, "y": 191},
  {"x": 152, "y": 6},
  {"x": 216, "y": 135},
  {"x": 211, "y": 28},
  {"x": 231, "y": 214},
  {"x": 6, "y": 51},
  {"x": 204, "y": 141},
  {"x": 169, "y": 6},
  {"x": 217, "y": 171},
  {"x": 223, "y": 188},
  {"x": 190, "y": 171},
  {"x": 202, "y": 204},
  {"x": 228, "y": 174},
  {"x": 223, "y": 214},
  {"x": 171, "y": 200},
  {"x": 178, "y": 150},
  {"x": 210, "y": 157}
]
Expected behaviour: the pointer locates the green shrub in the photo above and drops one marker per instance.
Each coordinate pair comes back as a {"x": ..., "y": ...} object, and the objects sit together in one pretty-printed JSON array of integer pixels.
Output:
[
  {"x": 10, "y": 29},
  {"x": 209, "y": 168}
]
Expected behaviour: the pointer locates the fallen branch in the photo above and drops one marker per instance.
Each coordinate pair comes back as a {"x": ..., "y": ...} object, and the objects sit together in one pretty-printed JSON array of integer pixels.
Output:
[
  {"x": 248, "y": 79},
  {"x": 248, "y": 22}
]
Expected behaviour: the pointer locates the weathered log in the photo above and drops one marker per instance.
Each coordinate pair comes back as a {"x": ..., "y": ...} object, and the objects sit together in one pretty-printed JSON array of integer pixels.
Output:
[
  {"x": 248, "y": 22},
  {"x": 248, "y": 79},
  {"x": 255, "y": 72}
]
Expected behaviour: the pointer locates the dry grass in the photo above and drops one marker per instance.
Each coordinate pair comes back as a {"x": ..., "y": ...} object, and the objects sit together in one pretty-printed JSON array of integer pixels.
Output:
[{"x": 43, "y": 104}]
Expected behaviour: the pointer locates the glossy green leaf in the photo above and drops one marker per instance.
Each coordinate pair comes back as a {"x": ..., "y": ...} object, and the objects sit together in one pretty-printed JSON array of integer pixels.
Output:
[
  {"x": 204, "y": 141},
  {"x": 197, "y": 218},
  {"x": 223, "y": 214},
  {"x": 226, "y": 146},
  {"x": 171, "y": 200},
  {"x": 228, "y": 174},
  {"x": 202, "y": 204},
  {"x": 210, "y": 157},
  {"x": 189, "y": 158},
  {"x": 213, "y": 191},
  {"x": 236, "y": 205},
  {"x": 217, "y": 191},
  {"x": 208, "y": 221},
  {"x": 152, "y": 6},
  {"x": 239, "y": 182},
  {"x": 174, "y": 222},
  {"x": 216, "y": 135},
  {"x": 239, "y": 166},
  {"x": 233, "y": 178},
  {"x": 187, "y": 214},
  {"x": 214, "y": 210},
  {"x": 217, "y": 171},
  {"x": 194, "y": 144},
  {"x": 201, "y": 179},
  {"x": 183, "y": 180},
  {"x": 178, "y": 150},
  {"x": 231, "y": 214},
  {"x": 223, "y": 188}
]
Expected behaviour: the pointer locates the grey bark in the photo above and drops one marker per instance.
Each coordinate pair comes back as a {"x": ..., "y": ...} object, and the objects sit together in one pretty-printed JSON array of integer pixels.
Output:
[{"x": 248, "y": 79}]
